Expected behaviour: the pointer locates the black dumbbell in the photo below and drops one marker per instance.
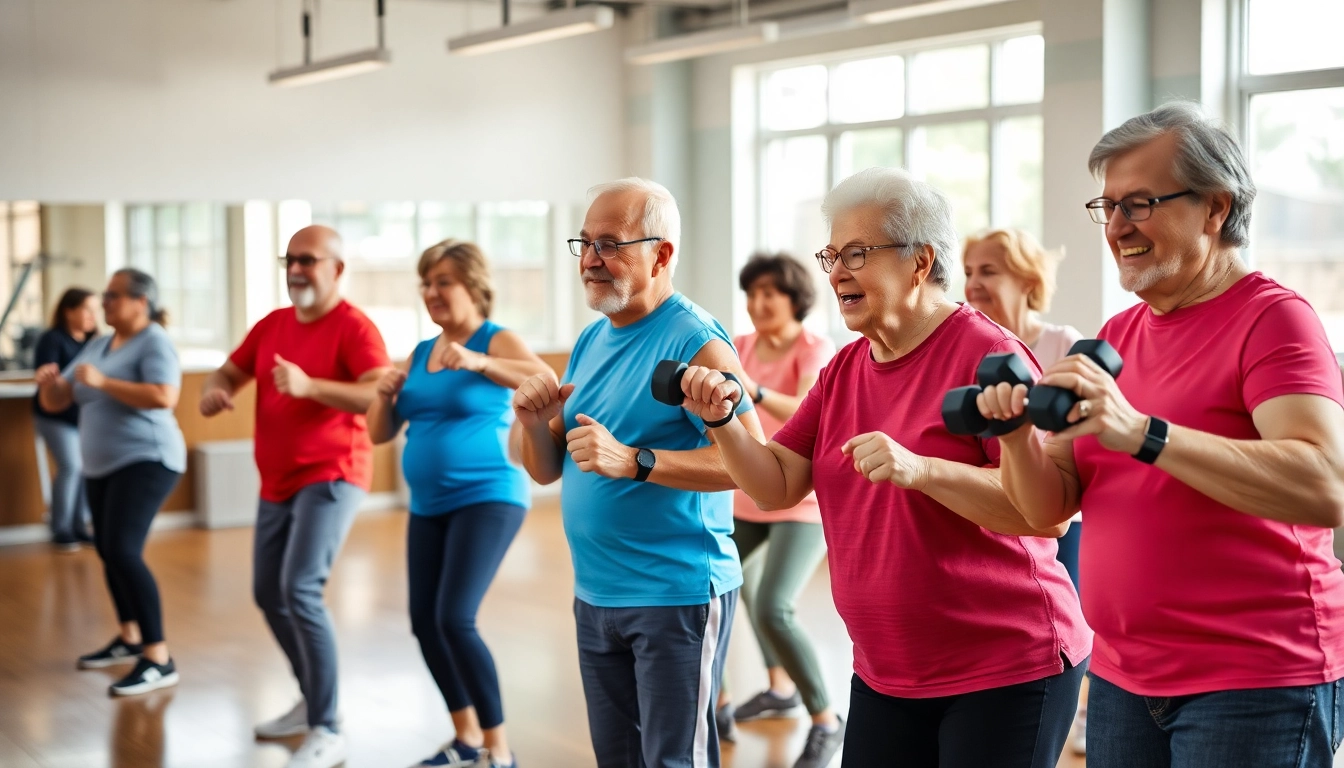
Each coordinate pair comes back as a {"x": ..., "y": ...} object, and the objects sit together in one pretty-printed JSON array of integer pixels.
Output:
[
  {"x": 1048, "y": 407},
  {"x": 962, "y": 416},
  {"x": 666, "y": 383}
]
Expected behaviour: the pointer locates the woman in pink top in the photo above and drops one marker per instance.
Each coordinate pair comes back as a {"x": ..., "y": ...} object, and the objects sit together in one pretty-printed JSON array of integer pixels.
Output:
[
  {"x": 1212, "y": 471},
  {"x": 782, "y": 360},
  {"x": 969, "y": 644}
]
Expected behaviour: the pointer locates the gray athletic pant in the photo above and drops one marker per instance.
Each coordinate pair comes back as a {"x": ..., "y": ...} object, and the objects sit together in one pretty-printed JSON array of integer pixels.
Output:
[{"x": 296, "y": 542}]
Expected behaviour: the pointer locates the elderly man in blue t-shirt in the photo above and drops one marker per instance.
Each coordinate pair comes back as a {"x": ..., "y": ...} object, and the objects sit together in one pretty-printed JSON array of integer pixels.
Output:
[{"x": 645, "y": 508}]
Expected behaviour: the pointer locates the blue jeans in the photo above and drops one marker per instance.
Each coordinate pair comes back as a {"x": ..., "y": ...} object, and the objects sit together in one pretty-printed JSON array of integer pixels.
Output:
[
  {"x": 69, "y": 503},
  {"x": 1297, "y": 727},
  {"x": 651, "y": 681},
  {"x": 296, "y": 542}
]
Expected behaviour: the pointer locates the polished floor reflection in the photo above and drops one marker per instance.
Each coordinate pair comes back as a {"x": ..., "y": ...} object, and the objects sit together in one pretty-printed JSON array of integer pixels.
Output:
[{"x": 55, "y": 607}]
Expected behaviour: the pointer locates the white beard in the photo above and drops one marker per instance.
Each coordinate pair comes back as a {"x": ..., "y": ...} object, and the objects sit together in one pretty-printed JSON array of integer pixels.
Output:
[
  {"x": 611, "y": 304},
  {"x": 1136, "y": 280},
  {"x": 303, "y": 297}
]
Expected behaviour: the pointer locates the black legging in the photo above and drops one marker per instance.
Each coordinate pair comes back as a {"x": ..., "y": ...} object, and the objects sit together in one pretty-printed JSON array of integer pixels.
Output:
[
  {"x": 452, "y": 558},
  {"x": 123, "y": 504}
]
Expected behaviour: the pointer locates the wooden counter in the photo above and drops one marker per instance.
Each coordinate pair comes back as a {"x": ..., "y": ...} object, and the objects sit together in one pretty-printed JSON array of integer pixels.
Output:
[{"x": 21, "y": 493}]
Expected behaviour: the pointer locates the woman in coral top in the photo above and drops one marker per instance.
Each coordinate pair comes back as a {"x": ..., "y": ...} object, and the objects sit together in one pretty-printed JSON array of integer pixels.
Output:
[{"x": 782, "y": 360}]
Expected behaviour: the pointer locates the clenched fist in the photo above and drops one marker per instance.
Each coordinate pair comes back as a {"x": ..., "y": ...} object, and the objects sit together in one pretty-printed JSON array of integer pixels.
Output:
[
  {"x": 456, "y": 357},
  {"x": 595, "y": 450},
  {"x": 390, "y": 384},
  {"x": 709, "y": 394},
  {"x": 291, "y": 380},
  {"x": 47, "y": 375},
  {"x": 89, "y": 376},
  {"x": 214, "y": 401},
  {"x": 880, "y": 459},
  {"x": 540, "y": 399}
]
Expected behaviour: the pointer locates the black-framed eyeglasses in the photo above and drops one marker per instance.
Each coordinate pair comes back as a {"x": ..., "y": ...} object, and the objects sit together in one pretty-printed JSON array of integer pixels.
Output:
[
  {"x": 109, "y": 296},
  {"x": 852, "y": 257},
  {"x": 1134, "y": 208},
  {"x": 305, "y": 261},
  {"x": 578, "y": 246}
]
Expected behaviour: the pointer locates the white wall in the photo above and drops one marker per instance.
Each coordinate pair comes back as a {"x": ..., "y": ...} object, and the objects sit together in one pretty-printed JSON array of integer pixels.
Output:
[{"x": 168, "y": 100}]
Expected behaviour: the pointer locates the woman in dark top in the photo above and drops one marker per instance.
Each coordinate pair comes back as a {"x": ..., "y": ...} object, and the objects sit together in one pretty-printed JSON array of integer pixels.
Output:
[{"x": 74, "y": 322}]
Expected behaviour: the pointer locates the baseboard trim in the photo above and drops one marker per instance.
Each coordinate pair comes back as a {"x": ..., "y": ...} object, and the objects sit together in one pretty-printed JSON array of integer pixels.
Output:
[{"x": 37, "y": 533}]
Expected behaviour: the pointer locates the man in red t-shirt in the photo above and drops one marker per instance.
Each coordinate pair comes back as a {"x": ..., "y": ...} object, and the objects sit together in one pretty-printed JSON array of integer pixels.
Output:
[
  {"x": 1212, "y": 584},
  {"x": 317, "y": 365}
]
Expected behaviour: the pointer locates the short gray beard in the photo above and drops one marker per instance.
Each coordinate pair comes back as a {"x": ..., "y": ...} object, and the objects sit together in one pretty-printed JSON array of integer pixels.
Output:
[
  {"x": 303, "y": 297},
  {"x": 1136, "y": 280},
  {"x": 609, "y": 305}
]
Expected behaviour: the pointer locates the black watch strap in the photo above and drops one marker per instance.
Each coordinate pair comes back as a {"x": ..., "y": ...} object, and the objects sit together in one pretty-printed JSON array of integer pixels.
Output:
[
  {"x": 760, "y": 394},
  {"x": 644, "y": 461},
  {"x": 1154, "y": 440},
  {"x": 724, "y": 420}
]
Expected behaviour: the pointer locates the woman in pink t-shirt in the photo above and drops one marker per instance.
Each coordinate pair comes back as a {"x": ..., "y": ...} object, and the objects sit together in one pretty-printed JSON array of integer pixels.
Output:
[
  {"x": 1211, "y": 581},
  {"x": 969, "y": 644},
  {"x": 782, "y": 360}
]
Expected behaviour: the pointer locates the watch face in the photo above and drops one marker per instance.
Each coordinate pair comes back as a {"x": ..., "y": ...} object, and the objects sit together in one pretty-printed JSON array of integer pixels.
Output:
[{"x": 644, "y": 458}]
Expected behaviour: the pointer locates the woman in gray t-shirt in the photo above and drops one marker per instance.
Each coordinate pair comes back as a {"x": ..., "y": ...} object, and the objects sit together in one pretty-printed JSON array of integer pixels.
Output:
[{"x": 127, "y": 385}]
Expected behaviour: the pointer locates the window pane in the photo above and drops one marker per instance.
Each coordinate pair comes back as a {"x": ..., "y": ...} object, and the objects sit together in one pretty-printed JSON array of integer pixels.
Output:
[
  {"x": 865, "y": 149},
  {"x": 440, "y": 221},
  {"x": 872, "y": 89},
  {"x": 955, "y": 159},
  {"x": 794, "y": 182},
  {"x": 949, "y": 79},
  {"x": 1297, "y": 161},
  {"x": 794, "y": 98},
  {"x": 1020, "y": 74},
  {"x": 521, "y": 300},
  {"x": 1293, "y": 35},
  {"x": 1017, "y": 175},
  {"x": 515, "y": 233}
]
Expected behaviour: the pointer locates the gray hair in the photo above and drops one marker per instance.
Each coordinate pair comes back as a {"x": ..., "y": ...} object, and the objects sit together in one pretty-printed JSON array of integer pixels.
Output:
[
  {"x": 1208, "y": 159},
  {"x": 142, "y": 286},
  {"x": 661, "y": 216},
  {"x": 913, "y": 212}
]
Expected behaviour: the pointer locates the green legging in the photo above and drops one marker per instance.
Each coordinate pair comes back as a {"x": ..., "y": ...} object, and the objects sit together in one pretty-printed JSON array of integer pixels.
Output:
[{"x": 773, "y": 576}]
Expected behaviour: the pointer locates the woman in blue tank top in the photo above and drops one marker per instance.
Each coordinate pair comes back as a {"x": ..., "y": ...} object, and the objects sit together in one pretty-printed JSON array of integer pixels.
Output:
[{"x": 467, "y": 500}]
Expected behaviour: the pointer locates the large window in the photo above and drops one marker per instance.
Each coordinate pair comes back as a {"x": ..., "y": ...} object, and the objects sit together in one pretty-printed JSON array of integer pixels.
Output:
[
  {"x": 184, "y": 246},
  {"x": 383, "y": 245},
  {"x": 21, "y": 319},
  {"x": 1292, "y": 90},
  {"x": 964, "y": 117}
]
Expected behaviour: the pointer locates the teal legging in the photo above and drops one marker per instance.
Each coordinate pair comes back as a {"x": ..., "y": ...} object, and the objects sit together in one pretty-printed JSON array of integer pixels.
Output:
[{"x": 773, "y": 577}]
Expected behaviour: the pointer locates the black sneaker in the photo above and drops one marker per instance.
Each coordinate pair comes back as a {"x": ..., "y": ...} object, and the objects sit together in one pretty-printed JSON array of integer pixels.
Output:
[
  {"x": 84, "y": 537},
  {"x": 117, "y": 652},
  {"x": 147, "y": 676},
  {"x": 723, "y": 718},
  {"x": 821, "y": 746},
  {"x": 767, "y": 705},
  {"x": 65, "y": 543}
]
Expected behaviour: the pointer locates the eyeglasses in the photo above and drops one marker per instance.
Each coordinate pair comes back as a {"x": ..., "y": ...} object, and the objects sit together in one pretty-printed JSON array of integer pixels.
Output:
[
  {"x": 305, "y": 261},
  {"x": 114, "y": 295},
  {"x": 1134, "y": 208},
  {"x": 852, "y": 257},
  {"x": 578, "y": 245}
]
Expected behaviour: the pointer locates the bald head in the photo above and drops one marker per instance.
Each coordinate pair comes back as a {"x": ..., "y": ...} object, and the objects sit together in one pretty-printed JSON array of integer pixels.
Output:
[
  {"x": 314, "y": 264},
  {"x": 317, "y": 240}
]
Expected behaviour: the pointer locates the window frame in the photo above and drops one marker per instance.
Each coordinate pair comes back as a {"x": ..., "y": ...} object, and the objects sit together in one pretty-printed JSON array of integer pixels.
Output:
[{"x": 219, "y": 343}]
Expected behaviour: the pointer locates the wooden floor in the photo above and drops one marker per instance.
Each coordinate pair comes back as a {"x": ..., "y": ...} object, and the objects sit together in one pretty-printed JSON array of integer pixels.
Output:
[{"x": 54, "y": 607}]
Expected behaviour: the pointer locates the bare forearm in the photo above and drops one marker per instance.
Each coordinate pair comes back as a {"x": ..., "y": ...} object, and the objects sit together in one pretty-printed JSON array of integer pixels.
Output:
[
  {"x": 510, "y": 372},
  {"x": 383, "y": 424},
  {"x": 1033, "y": 482},
  {"x": 754, "y": 468},
  {"x": 779, "y": 405},
  {"x": 539, "y": 452},
  {"x": 699, "y": 469},
  {"x": 218, "y": 380},
  {"x": 977, "y": 494},
  {"x": 140, "y": 395},
  {"x": 56, "y": 396},
  {"x": 1291, "y": 481},
  {"x": 348, "y": 396}
]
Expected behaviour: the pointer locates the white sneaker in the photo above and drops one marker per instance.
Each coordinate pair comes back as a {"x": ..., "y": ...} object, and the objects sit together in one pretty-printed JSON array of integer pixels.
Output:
[
  {"x": 322, "y": 749},
  {"x": 292, "y": 723},
  {"x": 1078, "y": 733}
]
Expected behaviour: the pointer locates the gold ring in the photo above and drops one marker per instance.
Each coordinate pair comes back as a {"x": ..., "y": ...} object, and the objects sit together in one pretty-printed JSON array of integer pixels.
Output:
[{"x": 1084, "y": 409}]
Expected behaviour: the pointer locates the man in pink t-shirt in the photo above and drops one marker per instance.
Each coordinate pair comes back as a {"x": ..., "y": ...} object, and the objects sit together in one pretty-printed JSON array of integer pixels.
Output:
[
  {"x": 969, "y": 643},
  {"x": 1212, "y": 472}
]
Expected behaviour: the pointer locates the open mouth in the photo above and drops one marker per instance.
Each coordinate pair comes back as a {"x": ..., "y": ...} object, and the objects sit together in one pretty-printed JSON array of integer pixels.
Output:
[
  {"x": 850, "y": 299},
  {"x": 1138, "y": 250}
]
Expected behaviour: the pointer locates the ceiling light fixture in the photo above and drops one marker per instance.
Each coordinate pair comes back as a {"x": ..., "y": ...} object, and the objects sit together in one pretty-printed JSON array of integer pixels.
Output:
[
  {"x": 883, "y": 11},
  {"x": 569, "y": 22},
  {"x": 331, "y": 69}
]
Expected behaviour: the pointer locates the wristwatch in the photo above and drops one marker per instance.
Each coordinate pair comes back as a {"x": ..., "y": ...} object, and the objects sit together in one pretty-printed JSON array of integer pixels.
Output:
[
  {"x": 760, "y": 394},
  {"x": 1154, "y": 440},
  {"x": 644, "y": 461}
]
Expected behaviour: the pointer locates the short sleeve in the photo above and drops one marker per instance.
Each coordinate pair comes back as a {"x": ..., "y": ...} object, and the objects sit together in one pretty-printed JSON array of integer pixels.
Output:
[
  {"x": 814, "y": 356},
  {"x": 799, "y": 433},
  {"x": 245, "y": 356},
  {"x": 362, "y": 347},
  {"x": 159, "y": 363},
  {"x": 689, "y": 350},
  {"x": 69, "y": 370},
  {"x": 1288, "y": 353}
]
